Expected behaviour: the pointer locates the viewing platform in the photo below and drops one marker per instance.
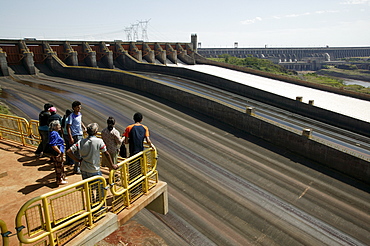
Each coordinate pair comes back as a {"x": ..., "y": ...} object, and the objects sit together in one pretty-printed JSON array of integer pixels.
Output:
[{"x": 24, "y": 177}]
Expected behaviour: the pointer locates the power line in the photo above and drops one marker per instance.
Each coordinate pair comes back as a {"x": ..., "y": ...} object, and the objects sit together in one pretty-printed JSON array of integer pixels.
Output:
[{"x": 132, "y": 32}]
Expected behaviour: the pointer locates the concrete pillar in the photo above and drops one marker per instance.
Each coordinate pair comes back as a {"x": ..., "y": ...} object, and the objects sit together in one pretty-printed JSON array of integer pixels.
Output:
[
  {"x": 307, "y": 133},
  {"x": 123, "y": 59},
  {"x": 121, "y": 53},
  {"x": 250, "y": 111},
  {"x": 171, "y": 54},
  {"x": 4, "y": 71},
  {"x": 90, "y": 59},
  {"x": 27, "y": 60},
  {"x": 160, "y": 54},
  {"x": 148, "y": 53},
  {"x": 135, "y": 52},
  {"x": 49, "y": 52},
  {"x": 189, "y": 50},
  {"x": 160, "y": 203},
  {"x": 183, "y": 56},
  {"x": 71, "y": 56},
  {"x": 107, "y": 55}
]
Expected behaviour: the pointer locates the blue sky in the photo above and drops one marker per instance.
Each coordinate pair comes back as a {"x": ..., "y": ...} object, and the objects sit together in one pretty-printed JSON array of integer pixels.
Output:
[{"x": 274, "y": 23}]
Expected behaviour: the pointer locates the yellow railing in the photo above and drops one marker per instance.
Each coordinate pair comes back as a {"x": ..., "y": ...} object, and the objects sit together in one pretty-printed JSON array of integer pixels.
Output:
[
  {"x": 19, "y": 129},
  {"x": 57, "y": 216},
  {"x": 135, "y": 176},
  {"x": 4, "y": 233}
]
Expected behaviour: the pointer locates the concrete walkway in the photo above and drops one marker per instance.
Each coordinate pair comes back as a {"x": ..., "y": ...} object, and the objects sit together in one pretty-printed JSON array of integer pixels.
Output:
[{"x": 23, "y": 176}]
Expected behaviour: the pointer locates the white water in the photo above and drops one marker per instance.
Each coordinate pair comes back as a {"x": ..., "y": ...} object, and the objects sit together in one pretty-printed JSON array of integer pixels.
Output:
[
  {"x": 356, "y": 82},
  {"x": 356, "y": 108}
]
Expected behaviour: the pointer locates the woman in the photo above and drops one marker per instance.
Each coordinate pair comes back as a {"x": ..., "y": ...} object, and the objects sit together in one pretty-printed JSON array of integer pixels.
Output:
[
  {"x": 112, "y": 140},
  {"x": 56, "y": 142}
]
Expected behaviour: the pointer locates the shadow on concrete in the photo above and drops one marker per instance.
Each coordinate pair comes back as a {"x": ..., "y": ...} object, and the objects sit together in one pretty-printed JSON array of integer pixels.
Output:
[
  {"x": 46, "y": 168},
  {"x": 48, "y": 181},
  {"x": 32, "y": 161}
]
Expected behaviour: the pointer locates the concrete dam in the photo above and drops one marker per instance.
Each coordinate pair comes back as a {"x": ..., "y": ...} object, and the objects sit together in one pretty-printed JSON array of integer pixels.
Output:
[
  {"x": 244, "y": 165},
  {"x": 299, "y": 59},
  {"x": 109, "y": 62}
]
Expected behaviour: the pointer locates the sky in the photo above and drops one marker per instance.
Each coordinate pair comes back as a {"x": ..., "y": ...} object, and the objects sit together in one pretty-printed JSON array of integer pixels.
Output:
[{"x": 217, "y": 24}]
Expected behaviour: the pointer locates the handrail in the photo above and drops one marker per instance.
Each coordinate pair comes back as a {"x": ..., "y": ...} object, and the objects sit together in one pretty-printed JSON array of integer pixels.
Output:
[
  {"x": 4, "y": 233},
  {"x": 49, "y": 201},
  {"x": 121, "y": 186},
  {"x": 19, "y": 129}
]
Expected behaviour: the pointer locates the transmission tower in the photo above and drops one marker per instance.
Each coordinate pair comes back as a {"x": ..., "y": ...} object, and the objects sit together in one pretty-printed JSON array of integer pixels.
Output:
[
  {"x": 132, "y": 32},
  {"x": 135, "y": 28},
  {"x": 144, "y": 28},
  {"x": 128, "y": 31}
]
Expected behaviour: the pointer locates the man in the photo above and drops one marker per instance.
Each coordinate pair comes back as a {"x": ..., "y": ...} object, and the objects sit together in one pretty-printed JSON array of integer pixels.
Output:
[
  {"x": 89, "y": 149},
  {"x": 43, "y": 129},
  {"x": 75, "y": 129},
  {"x": 135, "y": 135}
]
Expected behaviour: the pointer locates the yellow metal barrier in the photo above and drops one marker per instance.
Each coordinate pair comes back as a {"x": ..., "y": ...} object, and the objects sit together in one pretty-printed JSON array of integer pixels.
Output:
[
  {"x": 4, "y": 233},
  {"x": 19, "y": 129},
  {"x": 135, "y": 176},
  {"x": 57, "y": 216}
]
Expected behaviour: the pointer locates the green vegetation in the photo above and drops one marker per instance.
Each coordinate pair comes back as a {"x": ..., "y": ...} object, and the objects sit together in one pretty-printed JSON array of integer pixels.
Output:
[
  {"x": 254, "y": 63},
  {"x": 323, "y": 80},
  {"x": 3, "y": 108},
  {"x": 319, "y": 77},
  {"x": 356, "y": 59}
]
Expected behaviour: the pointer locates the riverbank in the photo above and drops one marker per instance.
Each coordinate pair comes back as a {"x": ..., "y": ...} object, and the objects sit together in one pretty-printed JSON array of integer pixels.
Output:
[{"x": 358, "y": 74}]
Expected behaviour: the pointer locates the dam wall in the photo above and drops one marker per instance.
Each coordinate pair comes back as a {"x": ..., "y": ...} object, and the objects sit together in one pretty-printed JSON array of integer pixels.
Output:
[
  {"x": 298, "y": 142},
  {"x": 295, "y": 106}
]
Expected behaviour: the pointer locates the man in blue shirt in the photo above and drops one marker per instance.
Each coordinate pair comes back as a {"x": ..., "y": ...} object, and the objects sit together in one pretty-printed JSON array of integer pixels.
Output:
[{"x": 75, "y": 129}]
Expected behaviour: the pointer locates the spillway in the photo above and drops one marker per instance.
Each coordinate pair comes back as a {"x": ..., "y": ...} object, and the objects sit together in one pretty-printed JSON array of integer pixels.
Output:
[{"x": 355, "y": 108}]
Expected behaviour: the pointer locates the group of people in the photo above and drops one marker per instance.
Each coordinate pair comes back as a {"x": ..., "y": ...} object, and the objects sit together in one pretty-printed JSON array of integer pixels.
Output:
[{"x": 60, "y": 135}]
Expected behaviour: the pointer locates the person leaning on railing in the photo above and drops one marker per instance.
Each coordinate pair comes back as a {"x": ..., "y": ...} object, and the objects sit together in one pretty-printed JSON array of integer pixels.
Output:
[
  {"x": 135, "y": 134},
  {"x": 89, "y": 149}
]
